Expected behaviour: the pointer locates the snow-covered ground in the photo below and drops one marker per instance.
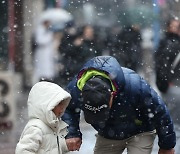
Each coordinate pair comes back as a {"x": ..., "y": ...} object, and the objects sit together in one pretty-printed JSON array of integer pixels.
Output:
[
  {"x": 89, "y": 140},
  {"x": 8, "y": 139}
]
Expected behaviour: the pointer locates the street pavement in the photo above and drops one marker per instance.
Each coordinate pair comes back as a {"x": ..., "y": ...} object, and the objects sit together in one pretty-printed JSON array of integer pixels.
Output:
[
  {"x": 9, "y": 138},
  {"x": 89, "y": 140}
]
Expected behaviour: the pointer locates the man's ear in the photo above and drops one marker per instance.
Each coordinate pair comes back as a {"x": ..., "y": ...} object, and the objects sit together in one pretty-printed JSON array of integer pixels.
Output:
[{"x": 111, "y": 100}]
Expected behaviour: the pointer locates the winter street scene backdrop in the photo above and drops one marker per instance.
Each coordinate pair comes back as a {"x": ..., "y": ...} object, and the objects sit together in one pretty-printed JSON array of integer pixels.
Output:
[{"x": 52, "y": 39}]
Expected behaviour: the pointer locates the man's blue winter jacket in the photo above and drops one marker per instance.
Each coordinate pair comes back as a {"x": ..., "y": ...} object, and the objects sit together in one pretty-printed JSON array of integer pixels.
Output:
[{"x": 136, "y": 106}]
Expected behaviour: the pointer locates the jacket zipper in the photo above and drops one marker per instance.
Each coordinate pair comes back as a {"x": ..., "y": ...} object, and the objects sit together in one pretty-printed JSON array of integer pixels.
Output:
[{"x": 58, "y": 144}]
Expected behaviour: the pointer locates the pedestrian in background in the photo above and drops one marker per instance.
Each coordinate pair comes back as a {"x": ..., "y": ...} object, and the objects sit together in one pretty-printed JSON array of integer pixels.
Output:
[
  {"x": 167, "y": 57},
  {"x": 123, "y": 108},
  {"x": 70, "y": 53},
  {"x": 78, "y": 45},
  {"x": 128, "y": 47},
  {"x": 89, "y": 44},
  {"x": 45, "y": 54},
  {"x": 45, "y": 131}
]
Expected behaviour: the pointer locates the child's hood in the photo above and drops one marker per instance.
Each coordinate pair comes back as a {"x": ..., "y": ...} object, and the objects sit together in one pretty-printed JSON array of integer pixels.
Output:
[{"x": 43, "y": 97}]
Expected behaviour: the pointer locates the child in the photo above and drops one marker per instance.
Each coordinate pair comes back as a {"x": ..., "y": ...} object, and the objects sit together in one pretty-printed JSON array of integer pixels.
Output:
[{"x": 45, "y": 132}]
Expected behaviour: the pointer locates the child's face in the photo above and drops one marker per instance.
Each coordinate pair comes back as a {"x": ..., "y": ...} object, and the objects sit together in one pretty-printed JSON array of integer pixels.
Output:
[{"x": 60, "y": 108}]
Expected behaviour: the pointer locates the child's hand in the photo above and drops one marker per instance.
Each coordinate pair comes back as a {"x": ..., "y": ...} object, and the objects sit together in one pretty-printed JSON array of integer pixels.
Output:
[{"x": 73, "y": 144}]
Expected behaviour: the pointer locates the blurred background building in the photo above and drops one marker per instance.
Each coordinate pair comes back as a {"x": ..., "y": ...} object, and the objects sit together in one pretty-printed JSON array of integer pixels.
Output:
[{"x": 18, "y": 18}]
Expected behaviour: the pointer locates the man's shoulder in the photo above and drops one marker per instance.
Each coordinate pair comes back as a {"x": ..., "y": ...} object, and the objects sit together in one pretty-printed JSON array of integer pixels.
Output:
[
  {"x": 132, "y": 80},
  {"x": 130, "y": 75}
]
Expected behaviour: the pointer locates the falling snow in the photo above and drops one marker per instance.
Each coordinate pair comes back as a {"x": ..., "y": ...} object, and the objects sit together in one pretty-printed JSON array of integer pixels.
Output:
[{"x": 109, "y": 18}]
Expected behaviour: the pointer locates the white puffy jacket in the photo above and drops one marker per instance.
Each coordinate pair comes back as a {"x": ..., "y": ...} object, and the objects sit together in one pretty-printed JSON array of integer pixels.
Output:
[{"x": 44, "y": 133}]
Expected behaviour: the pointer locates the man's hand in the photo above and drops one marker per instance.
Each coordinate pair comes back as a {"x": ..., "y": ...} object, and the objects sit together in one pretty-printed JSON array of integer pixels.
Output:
[
  {"x": 162, "y": 151},
  {"x": 73, "y": 144}
]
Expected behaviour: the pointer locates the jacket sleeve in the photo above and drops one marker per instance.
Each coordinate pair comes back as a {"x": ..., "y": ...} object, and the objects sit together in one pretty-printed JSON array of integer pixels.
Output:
[
  {"x": 63, "y": 145},
  {"x": 72, "y": 113},
  {"x": 156, "y": 112},
  {"x": 30, "y": 141}
]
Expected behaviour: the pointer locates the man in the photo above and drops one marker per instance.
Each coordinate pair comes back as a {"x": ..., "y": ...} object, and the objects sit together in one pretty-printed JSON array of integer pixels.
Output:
[
  {"x": 167, "y": 57},
  {"x": 121, "y": 106},
  {"x": 128, "y": 47}
]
